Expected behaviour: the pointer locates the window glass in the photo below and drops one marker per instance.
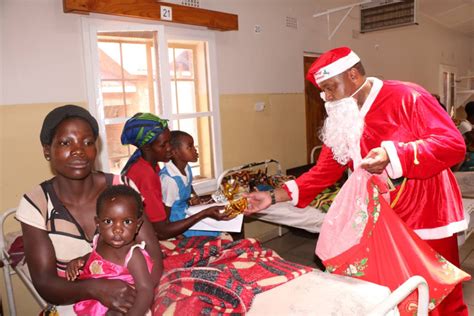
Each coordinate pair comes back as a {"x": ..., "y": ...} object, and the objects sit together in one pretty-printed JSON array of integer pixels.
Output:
[
  {"x": 200, "y": 130},
  {"x": 127, "y": 73},
  {"x": 129, "y": 82}
]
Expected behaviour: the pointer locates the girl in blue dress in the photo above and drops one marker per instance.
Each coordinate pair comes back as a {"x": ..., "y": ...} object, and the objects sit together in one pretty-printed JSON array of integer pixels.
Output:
[{"x": 177, "y": 178}]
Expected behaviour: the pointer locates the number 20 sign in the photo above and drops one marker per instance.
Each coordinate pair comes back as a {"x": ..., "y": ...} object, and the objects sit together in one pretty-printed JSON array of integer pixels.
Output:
[{"x": 166, "y": 13}]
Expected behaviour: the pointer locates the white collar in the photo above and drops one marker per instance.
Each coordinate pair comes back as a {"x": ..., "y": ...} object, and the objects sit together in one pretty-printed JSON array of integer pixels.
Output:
[
  {"x": 374, "y": 91},
  {"x": 174, "y": 171}
]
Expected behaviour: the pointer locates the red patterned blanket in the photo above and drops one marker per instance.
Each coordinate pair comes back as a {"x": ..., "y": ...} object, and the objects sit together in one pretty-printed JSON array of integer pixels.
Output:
[{"x": 207, "y": 276}]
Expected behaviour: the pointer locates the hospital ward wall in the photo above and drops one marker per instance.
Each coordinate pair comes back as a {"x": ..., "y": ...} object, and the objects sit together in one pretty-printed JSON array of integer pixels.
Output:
[
  {"x": 260, "y": 67},
  {"x": 42, "y": 66}
]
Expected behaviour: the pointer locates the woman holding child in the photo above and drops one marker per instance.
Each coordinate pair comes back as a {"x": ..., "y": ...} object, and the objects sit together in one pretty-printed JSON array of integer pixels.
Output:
[
  {"x": 57, "y": 217},
  {"x": 203, "y": 275}
]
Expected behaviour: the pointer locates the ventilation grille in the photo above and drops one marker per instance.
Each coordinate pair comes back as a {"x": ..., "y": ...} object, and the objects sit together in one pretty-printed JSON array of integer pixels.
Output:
[
  {"x": 291, "y": 22},
  {"x": 386, "y": 14},
  {"x": 190, "y": 3}
]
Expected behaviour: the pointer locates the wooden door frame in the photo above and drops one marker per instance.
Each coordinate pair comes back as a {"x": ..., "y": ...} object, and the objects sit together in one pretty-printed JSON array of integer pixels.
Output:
[{"x": 314, "y": 117}]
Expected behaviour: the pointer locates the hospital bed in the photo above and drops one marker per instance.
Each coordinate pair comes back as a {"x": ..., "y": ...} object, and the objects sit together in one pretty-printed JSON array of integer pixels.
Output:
[
  {"x": 308, "y": 218},
  {"x": 466, "y": 184},
  {"x": 315, "y": 293}
]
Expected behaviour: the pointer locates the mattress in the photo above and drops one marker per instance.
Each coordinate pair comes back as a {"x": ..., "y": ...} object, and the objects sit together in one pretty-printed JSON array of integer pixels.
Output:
[
  {"x": 320, "y": 293},
  {"x": 308, "y": 218}
]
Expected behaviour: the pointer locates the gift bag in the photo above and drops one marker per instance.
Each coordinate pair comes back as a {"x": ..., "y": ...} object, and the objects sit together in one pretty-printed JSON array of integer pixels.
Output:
[{"x": 364, "y": 238}]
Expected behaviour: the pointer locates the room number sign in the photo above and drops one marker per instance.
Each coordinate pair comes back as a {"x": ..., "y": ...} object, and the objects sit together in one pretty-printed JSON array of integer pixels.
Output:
[{"x": 166, "y": 13}]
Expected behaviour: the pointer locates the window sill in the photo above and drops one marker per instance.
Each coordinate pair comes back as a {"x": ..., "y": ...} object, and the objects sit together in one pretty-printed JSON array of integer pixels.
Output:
[{"x": 203, "y": 187}]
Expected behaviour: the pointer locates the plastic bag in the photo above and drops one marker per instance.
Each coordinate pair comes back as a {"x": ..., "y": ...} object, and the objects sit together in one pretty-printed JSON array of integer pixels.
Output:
[{"x": 363, "y": 237}]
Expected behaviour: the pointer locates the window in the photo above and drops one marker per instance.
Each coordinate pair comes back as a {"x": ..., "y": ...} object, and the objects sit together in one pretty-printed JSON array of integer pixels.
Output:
[
  {"x": 190, "y": 100},
  {"x": 147, "y": 68},
  {"x": 127, "y": 84}
]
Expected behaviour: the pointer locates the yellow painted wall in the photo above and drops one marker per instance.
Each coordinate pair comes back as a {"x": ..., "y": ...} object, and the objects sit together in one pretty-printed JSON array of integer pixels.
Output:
[
  {"x": 279, "y": 132},
  {"x": 22, "y": 166}
]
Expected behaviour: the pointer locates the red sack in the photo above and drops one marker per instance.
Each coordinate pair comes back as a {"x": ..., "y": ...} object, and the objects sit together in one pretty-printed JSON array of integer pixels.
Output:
[{"x": 386, "y": 251}]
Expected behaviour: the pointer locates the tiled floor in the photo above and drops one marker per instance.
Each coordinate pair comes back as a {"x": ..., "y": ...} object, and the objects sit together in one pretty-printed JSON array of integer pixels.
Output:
[{"x": 298, "y": 246}]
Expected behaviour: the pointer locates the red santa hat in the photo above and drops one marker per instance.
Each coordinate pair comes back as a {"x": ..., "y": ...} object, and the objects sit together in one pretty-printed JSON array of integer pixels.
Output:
[{"x": 331, "y": 63}]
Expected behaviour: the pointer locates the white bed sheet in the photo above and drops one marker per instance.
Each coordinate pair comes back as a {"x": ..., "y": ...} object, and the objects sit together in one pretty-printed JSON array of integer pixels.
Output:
[
  {"x": 311, "y": 219},
  {"x": 308, "y": 218},
  {"x": 321, "y": 293}
]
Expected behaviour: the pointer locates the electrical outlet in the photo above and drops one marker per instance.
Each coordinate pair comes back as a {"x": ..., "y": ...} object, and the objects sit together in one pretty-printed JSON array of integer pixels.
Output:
[{"x": 259, "y": 106}]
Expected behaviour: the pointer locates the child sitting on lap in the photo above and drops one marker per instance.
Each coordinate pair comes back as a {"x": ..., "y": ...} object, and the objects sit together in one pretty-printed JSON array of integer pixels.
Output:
[
  {"x": 177, "y": 178},
  {"x": 115, "y": 254}
]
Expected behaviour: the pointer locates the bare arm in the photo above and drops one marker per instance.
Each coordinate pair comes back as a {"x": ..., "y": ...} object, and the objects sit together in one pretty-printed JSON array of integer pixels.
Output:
[
  {"x": 166, "y": 229},
  {"x": 41, "y": 259},
  {"x": 261, "y": 200},
  {"x": 194, "y": 199},
  {"x": 147, "y": 234},
  {"x": 144, "y": 284}
]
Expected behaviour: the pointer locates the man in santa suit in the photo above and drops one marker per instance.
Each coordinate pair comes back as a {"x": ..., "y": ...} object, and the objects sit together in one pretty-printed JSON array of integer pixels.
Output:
[{"x": 395, "y": 126}]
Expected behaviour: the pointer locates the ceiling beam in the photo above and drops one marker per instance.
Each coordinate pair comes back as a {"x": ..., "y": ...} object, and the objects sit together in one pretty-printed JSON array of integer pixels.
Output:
[{"x": 151, "y": 10}]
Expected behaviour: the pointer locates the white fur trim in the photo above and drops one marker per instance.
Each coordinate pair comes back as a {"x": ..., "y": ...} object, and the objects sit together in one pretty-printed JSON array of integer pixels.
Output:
[
  {"x": 374, "y": 92},
  {"x": 295, "y": 193},
  {"x": 394, "y": 167},
  {"x": 442, "y": 232},
  {"x": 337, "y": 67}
]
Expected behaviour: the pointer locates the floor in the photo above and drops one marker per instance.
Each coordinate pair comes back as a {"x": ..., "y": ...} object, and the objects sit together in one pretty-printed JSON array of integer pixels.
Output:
[{"x": 298, "y": 246}]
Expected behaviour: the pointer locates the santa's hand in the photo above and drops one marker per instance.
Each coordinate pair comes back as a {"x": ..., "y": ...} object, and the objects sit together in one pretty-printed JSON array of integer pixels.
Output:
[
  {"x": 257, "y": 201},
  {"x": 375, "y": 161}
]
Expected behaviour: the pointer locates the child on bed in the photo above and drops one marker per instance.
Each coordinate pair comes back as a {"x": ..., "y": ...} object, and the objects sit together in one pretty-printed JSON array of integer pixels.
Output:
[
  {"x": 115, "y": 253},
  {"x": 176, "y": 181}
]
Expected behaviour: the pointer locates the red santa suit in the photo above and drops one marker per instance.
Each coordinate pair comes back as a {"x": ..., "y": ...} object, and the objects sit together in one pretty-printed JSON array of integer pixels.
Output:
[{"x": 422, "y": 143}]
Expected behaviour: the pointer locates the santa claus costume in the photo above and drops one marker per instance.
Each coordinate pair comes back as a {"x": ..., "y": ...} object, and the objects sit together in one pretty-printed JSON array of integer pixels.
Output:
[{"x": 422, "y": 144}]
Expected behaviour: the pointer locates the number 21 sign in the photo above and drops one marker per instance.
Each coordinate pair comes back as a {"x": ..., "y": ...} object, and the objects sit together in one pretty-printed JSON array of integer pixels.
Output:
[{"x": 166, "y": 13}]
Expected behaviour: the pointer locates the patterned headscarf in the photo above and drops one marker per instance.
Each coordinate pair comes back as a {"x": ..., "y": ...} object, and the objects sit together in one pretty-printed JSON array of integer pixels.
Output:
[{"x": 141, "y": 129}]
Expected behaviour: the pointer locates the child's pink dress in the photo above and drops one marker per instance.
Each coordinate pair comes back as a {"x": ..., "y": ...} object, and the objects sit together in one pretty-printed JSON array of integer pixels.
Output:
[{"x": 98, "y": 268}]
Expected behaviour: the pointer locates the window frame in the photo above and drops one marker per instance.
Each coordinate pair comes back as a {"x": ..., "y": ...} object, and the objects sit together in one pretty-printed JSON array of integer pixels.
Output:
[{"x": 163, "y": 94}]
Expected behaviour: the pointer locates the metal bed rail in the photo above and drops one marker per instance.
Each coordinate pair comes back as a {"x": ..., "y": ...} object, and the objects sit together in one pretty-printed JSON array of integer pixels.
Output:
[
  {"x": 8, "y": 270},
  {"x": 410, "y": 285},
  {"x": 237, "y": 169}
]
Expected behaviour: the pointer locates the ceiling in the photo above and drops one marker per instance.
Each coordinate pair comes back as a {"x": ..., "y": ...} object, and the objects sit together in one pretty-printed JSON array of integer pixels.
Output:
[{"x": 454, "y": 14}]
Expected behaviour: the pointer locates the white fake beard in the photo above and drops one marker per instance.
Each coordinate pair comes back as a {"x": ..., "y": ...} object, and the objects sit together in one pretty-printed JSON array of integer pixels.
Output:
[{"x": 342, "y": 129}]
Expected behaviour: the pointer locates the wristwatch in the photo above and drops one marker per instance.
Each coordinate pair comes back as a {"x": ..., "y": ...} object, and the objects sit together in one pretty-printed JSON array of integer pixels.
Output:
[{"x": 272, "y": 195}]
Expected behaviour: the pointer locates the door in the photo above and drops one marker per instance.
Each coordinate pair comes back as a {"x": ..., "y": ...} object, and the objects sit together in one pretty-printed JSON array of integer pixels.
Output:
[{"x": 315, "y": 111}]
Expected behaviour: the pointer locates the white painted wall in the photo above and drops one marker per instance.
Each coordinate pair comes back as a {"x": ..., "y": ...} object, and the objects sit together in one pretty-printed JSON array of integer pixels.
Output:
[
  {"x": 272, "y": 60},
  {"x": 41, "y": 53},
  {"x": 41, "y": 50}
]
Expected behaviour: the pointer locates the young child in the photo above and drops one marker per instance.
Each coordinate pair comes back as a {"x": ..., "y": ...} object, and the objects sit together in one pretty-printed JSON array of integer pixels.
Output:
[
  {"x": 177, "y": 178},
  {"x": 115, "y": 254},
  {"x": 151, "y": 135}
]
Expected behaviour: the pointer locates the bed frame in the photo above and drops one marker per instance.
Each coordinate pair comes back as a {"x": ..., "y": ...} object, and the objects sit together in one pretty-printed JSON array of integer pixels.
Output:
[
  {"x": 282, "y": 214},
  {"x": 20, "y": 270}
]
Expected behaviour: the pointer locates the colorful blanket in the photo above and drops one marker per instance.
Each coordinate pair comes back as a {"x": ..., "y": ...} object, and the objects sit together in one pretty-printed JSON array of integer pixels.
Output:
[
  {"x": 324, "y": 199},
  {"x": 209, "y": 276}
]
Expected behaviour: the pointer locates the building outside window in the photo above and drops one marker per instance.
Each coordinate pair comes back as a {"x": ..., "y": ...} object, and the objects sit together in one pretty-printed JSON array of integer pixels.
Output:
[{"x": 142, "y": 68}]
